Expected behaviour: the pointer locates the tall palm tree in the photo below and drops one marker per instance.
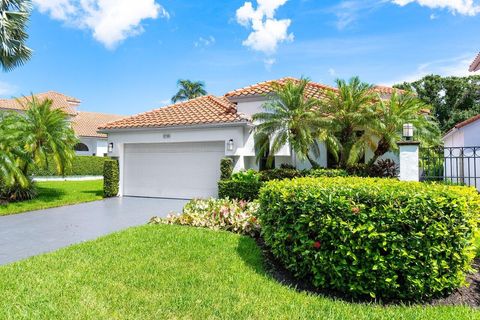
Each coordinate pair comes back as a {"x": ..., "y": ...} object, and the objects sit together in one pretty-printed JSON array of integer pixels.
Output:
[
  {"x": 344, "y": 114},
  {"x": 189, "y": 90},
  {"x": 15, "y": 15},
  {"x": 288, "y": 117},
  {"x": 46, "y": 132},
  {"x": 392, "y": 114}
]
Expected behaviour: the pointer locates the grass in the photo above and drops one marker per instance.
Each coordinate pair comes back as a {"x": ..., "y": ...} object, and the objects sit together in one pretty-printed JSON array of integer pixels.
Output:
[
  {"x": 158, "y": 272},
  {"x": 56, "y": 194}
]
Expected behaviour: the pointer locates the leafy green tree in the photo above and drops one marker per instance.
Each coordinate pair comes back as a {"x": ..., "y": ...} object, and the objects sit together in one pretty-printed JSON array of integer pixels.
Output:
[
  {"x": 385, "y": 130},
  {"x": 10, "y": 152},
  {"x": 189, "y": 90},
  {"x": 345, "y": 114},
  {"x": 454, "y": 99},
  {"x": 46, "y": 132},
  {"x": 288, "y": 118},
  {"x": 15, "y": 15}
]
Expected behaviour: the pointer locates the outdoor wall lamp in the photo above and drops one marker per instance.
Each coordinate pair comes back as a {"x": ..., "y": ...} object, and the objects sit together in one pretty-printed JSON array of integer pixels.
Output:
[
  {"x": 110, "y": 147},
  {"x": 230, "y": 145},
  {"x": 408, "y": 131}
]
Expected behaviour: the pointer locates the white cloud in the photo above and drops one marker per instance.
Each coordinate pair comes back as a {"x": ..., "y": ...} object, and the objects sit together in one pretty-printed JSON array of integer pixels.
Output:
[
  {"x": 267, "y": 31},
  {"x": 456, "y": 66},
  {"x": 349, "y": 11},
  {"x": 464, "y": 7},
  {"x": 111, "y": 21},
  {"x": 204, "y": 42},
  {"x": 6, "y": 89},
  {"x": 332, "y": 72}
]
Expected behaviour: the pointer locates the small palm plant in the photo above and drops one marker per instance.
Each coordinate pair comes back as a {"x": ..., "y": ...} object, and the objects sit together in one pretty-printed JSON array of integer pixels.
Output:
[
  {"x": 15, "y": 15},
  {"x": 47, "y": 132},
  {"x": 392, "y": 114},
  {"x": 189, "y": 90},
  {"x": 10, "y": 151},
  {"x": 344, "y": 115},
  {"x": 288, "y": 118}
]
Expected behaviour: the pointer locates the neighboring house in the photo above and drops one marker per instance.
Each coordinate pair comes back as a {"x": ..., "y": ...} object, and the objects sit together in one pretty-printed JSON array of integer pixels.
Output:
[
  {"x": 85, "y": 124},
  {"x": 175, "y": 151},
  {"x": 475, "y": 66},
  {"x": 462, "y": 153}
]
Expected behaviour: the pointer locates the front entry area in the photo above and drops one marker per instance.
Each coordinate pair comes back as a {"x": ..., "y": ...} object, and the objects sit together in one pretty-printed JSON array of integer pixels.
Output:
[{"x": 172, "y": 170}]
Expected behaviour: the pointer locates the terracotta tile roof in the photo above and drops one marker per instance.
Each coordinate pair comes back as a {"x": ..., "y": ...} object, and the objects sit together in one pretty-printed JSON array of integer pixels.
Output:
[
  {"x": 203, "y": 110},
  {"x": 60, "y": 101},
  {"x": 86, "y": 124},
  {"x": 315, "y": 90},
  {"x": 467, "y": 122},
  {"x": 475, "y": 66}
]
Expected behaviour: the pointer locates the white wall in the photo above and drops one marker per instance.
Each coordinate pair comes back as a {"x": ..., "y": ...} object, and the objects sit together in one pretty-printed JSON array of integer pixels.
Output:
[{"x": 96, "y": 146}]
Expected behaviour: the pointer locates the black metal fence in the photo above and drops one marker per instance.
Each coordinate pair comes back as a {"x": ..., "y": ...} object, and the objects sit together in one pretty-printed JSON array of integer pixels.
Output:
[{"x": 456, "y": 165}]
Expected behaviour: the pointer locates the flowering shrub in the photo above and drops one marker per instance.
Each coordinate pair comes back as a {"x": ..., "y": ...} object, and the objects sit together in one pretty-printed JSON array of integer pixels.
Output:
[{"x": 230, "y": 215}]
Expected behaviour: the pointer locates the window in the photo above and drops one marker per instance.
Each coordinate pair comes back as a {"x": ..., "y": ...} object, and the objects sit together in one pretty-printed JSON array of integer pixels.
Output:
[{"x": 81, "y": 147}]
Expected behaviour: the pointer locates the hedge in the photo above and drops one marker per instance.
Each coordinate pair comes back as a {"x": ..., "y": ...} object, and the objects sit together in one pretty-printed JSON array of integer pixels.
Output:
[
  {"x": 111, "y": 176},
  {"x": 372, "y": 237},
  {"x": 81, "y": 166},
  {"x": 248, "y": 187},
  {"x": 226, "y": 168}
]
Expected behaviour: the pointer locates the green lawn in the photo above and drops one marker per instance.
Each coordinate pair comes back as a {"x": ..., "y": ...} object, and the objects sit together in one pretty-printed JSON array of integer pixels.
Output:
[
  {"x": 56, "y": 194},
  {"x": 166, "y": 272}
]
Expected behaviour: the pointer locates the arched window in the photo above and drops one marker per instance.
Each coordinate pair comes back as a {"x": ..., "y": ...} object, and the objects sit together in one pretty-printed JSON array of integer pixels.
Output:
[{"x": 82, "y": 147}]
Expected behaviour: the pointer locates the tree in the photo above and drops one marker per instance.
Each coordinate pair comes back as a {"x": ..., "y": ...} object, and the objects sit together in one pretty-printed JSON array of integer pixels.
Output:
[
  {"x": 10, "y": 172},
  {"x": 344, "y": 116},
  {"x": 385, "y": 130},
  {"x": 288, "y": 117},
  {"x": 15, "y": 15},
  {"x": 46, "y": 132},
  {"x": 189, "y": 90},
  {"x": 454, "y": 99}
]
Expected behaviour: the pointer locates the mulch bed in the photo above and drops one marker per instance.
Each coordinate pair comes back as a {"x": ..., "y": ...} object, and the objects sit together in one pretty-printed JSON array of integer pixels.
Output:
[{"x": 468, "y": 296}]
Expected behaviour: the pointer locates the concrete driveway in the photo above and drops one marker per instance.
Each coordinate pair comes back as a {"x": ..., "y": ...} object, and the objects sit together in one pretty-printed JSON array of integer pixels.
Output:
[{"x": 32, "y": 233}]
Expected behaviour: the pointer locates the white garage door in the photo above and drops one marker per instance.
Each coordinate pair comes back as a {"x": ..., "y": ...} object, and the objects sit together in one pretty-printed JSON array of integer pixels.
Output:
[{"x": 173, "y": 170}]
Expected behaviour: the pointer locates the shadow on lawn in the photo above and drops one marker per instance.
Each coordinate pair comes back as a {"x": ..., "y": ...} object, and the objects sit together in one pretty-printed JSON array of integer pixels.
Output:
[
  {"x": 97, "y": 193},
  {"x": 258, "y": 257}
]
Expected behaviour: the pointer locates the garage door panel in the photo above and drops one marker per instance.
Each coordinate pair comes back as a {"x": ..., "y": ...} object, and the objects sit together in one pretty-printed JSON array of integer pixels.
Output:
[{"x": 181, "y": 170}]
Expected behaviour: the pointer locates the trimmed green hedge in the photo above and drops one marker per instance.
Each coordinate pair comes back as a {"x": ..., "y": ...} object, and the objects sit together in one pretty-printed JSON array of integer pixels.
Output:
[
  {"x": 226, "y": 168},
  {"x": 246, "y": 185},
  {"x": 111, "y": 176},
  {"x": 378, "y": 237},
  {"x": 81, "y": 166}
]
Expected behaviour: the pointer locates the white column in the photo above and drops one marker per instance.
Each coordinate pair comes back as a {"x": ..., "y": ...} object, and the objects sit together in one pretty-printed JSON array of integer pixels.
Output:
[
  {"x": 240, "y": 164},
  {"x": 121, "y": 163},
  {"x": 409, "y": 161}
]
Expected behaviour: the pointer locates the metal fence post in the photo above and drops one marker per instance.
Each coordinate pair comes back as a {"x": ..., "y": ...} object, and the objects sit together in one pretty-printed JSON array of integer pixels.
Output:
[{"x": 409, "y": 160}]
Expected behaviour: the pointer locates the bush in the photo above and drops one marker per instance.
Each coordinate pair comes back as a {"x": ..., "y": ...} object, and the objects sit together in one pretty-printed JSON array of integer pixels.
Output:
[
  {"x": 111, "y": 178},
  {"x": 240, "y": 190},
  {"x": 279, "y": 174},
  {"x": 230, "y": 215},
  {"x": 384, "y": 168},
  {"x": 81, "y": 166},
  {"x": 226, "y": 168},
  {"x": 377, "y": 237},
  {"x": 317, "y": 173},
  {"x": 17, "y": 192}
]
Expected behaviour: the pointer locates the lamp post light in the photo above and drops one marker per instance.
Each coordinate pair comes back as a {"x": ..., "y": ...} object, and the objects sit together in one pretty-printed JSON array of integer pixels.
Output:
[{"x": 408, "y": 131}]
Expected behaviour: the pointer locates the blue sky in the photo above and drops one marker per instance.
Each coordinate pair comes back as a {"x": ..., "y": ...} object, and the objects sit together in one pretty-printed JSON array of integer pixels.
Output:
[{"x": 122, "y": 59}]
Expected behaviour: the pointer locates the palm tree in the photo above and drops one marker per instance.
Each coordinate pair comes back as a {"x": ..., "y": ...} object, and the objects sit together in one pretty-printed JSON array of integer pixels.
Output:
[
  {"x": 15, "y": 15},
  {"x": 189, "y": 90},
  {"x": 10, "y": 172},
  {"x": 344, "y": 115},
  {"x": 392, "y": 114},
  {"x": 288, "y": 117},
  {"x": 46, "y": 132}
]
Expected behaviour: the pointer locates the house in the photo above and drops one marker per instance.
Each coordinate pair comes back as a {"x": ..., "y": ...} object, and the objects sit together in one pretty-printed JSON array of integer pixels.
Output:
[
  {"x": 475, "y": 66},
  {"x": 175, "y": 151},
  {"x": 85, "y": 124},
  {"x": 462, "y": 153}
]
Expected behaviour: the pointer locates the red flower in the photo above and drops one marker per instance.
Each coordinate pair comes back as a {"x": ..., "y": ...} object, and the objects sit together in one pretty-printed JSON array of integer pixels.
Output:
[{"x": 317, "y": 245}]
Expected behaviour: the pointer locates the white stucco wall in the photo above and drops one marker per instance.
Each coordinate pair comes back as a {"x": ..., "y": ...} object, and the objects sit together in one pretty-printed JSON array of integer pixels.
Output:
[
  {"x": 409, "y": 162},
  {"x": 96, "y": 146}
]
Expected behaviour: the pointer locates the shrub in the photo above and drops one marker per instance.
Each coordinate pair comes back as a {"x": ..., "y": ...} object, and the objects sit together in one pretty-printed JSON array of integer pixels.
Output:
[
  {"x": 111, "y": 178},
  {"x": 81, "y": 166},
  {"x": 230, "y": 215},
  {"x": 240, "y": 190},
  {"x": 384, "y": 168},
  {"x": 279, "y": 174},
  {"x": 317, "y": 173},
  {"x": 249, "y": 176},
  {"x": 17, "y": 192},
  {"x": 226, "y": 168},
  {"x": 377, "y": 237}
]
